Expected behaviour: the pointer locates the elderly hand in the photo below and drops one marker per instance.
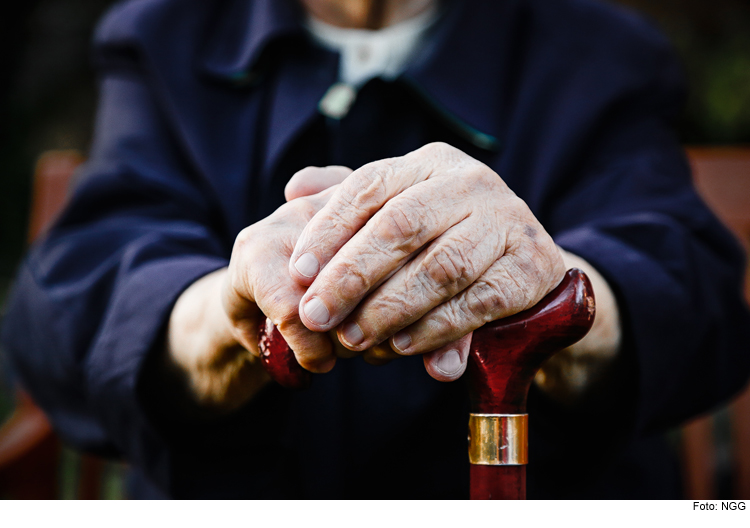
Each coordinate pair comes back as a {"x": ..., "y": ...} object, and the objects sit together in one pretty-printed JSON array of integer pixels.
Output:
[
  {"x": 213, "y": 328},
  {"x": 428, "y": 246},
  {"x": 422, "y": 250}
]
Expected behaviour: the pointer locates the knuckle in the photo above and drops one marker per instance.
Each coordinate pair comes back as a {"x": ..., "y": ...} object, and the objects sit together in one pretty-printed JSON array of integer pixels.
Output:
[
  {"x": 486, "y": 299},
  {"x": 440, "y": 149},
  {"x": 244, "y": 238},
  {"x": 447, "y": 270},
  {"x": 521, "y": 208},
  {"x": 385, "y": 313},
  {"x": 444, "y": 324},
  {"x": 481, "y": 178},
  {"x": 351, "y": 281},
  {"x": 239, "y": 274},
  {"x": 285, "y": 316},
  {"x": 537, "y": 263},
  {"x": 481, "y": 299},
  {"x": 369, "y": 186},
  {"x": 516, "y": 285},
  {"x": 275, "y": 301},
  {"x": 401, "y": 223},
  {"x": 446, "y": 155}
]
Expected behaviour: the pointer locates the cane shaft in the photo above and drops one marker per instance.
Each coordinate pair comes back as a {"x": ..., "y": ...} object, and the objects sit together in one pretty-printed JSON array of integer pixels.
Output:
[
  {"x": 505, "y": 355},
  {"x": 497, "y": 482}
]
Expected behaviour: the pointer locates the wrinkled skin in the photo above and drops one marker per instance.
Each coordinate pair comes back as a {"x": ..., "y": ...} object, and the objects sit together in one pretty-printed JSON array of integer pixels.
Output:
[
  {"x": 420, "y": 250},
  {"x": 408, "y": 256},
  {"x": 257, "y": 283}
]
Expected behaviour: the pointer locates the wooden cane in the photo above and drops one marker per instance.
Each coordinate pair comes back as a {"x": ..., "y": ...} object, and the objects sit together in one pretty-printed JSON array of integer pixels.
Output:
[{"x": 505, "y": 356}]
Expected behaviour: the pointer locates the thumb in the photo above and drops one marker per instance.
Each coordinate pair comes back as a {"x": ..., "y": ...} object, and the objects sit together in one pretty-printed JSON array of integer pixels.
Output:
[{"x": 312, "y": 180}]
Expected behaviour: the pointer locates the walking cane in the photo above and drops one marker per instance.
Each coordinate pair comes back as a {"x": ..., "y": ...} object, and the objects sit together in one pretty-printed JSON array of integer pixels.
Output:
[{"x": 505, "y": 355}]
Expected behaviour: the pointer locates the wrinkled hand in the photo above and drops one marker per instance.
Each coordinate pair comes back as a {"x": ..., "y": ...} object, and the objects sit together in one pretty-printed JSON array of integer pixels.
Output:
[
  {"x": 422, "y": 250},
  {"x": 211, "y": 342},
  {"x": 258, "y": 285}
]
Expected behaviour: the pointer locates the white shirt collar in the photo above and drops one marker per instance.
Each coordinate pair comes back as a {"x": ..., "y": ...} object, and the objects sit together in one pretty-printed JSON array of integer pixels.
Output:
[{"x": 366, "y": 54}]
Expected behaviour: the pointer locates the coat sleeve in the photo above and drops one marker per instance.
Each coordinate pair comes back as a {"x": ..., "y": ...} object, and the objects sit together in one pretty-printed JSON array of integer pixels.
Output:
[
  {"x": 617, "y": 191},
  {"x": 92, "y": 299}
]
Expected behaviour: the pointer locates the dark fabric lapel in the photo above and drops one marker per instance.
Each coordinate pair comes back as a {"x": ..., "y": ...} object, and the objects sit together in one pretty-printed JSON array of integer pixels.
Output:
[{"x": 453, "y": 76}]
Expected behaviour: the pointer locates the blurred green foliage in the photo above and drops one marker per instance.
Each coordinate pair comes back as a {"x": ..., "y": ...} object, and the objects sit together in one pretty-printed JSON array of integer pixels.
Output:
[
  {"x": 719, "y": 105},
  {"x": 713, "y": 42}
]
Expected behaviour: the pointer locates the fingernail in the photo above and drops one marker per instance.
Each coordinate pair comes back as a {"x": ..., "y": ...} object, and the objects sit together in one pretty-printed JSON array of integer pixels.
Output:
[
  {"x": 307, "y": 265},
  {"x": 316, "y": 311},
  {"x": 449, "y": 363},
  {"x": 352, "y": 334},
  {"x": 401, "y": 341}
]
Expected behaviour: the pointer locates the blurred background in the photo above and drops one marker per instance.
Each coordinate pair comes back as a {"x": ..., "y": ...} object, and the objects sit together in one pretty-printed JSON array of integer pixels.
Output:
[{"x": 48, "y": 97}]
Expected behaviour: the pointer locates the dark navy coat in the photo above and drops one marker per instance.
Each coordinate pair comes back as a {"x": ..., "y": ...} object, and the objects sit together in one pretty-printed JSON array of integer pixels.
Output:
[{"x": 208, "y": 107}]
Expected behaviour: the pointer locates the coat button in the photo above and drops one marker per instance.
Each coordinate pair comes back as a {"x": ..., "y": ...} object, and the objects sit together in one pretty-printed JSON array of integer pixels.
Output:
[{"x": 337, "y": 101}]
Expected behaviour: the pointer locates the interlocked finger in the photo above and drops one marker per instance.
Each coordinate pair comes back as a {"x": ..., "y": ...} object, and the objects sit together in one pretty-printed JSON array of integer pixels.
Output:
[
  {"x": 447, "y": 266},
  {"x": 357, "y": 199},
  {"x": 503, "y": 290}
]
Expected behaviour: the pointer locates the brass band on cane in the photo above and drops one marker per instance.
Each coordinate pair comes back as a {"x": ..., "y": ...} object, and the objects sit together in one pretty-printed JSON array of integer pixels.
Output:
[{"x": 498, "y": 439}]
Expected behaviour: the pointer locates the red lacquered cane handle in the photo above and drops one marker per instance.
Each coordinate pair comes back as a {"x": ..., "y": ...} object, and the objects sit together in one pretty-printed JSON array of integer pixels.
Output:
[
  {"x": 505, "y": 356},
  {"x": 279, "y": 361}
]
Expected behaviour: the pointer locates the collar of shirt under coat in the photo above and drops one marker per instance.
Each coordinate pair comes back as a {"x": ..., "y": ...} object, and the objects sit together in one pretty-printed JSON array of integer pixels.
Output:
[
  {"x": 366, "y": 53},
  {"x": 449, "y": 73}
]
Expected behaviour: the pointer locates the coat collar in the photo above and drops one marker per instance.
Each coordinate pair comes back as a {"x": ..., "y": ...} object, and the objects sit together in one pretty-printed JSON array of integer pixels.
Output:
[
  {"x": 451, "y": 75},
  {"x": 243, "y": 30}
]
